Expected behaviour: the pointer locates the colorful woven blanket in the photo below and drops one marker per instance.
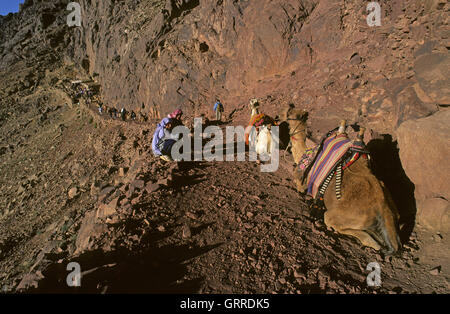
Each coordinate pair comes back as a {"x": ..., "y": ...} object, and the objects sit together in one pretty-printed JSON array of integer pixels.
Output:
[
  {"x": 334, "y": 148},
  {"x": 261, "y": 119},
  {"x": 257, "y": 121},
  {"x": 308, "y": 158}
]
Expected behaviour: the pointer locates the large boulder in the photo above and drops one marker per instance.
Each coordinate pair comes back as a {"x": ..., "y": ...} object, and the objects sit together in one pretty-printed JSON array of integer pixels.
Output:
[
  {"x": 434, "y": 214},
  {"x": 432, "y": 73},
  {"x": 424, "y": 149}
]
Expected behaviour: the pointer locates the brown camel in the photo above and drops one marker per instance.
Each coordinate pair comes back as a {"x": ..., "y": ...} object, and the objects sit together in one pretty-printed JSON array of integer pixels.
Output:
[{"x": 365, "y": 210}]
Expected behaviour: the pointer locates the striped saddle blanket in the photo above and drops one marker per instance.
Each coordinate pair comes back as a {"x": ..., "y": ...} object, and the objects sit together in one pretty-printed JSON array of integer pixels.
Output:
[{"x": 334, "y": 149}]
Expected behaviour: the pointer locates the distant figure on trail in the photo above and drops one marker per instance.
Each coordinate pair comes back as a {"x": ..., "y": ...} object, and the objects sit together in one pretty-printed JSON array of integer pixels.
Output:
[
  {"x": 142, "y": 117},
  {"x": 113, "y": 113},
  {"x": 254, "y": 107},
  {"x": 163, "y": 139},
  {"x": 218, "y": 109},
  {"x": 123, "y": 113},
  {"x": 100, "y": 109}
]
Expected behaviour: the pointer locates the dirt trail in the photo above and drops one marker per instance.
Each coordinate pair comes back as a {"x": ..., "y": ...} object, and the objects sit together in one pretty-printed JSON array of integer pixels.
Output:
[{"x": 226, "y": 227}]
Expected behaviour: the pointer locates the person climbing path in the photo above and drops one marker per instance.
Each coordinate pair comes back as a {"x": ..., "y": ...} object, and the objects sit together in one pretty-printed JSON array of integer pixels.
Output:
[{"x": 218, "y": 109}]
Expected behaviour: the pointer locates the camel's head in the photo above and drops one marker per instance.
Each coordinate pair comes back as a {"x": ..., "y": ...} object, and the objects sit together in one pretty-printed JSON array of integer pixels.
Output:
[
  {"x": 253, "y": 103},
  {"x": 295, "y": 116},
  {"x": 296, "y": 120}
]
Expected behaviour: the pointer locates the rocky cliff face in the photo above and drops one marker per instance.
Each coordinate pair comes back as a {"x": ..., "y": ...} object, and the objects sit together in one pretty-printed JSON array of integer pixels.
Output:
[
  {"x": 166, "y": 54},
  {"x": 424, "y": 147},
  {"x": 156, "y": 55},
  {"x": 318, "y": 54},
  {"x": 36, "y": 31}
]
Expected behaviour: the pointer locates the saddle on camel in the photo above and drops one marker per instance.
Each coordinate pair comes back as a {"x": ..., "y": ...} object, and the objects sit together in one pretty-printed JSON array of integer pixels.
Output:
[
  {"x": 338, "y": 171},
  {"x": 257, "y": 121},
  {"x": 335, "y": 153}
]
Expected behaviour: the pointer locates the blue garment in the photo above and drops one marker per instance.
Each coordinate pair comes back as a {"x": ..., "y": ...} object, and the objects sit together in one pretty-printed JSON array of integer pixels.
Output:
[
  {"x": 218, "y": 105},
  {"x": 165, "y": 146},
  {"x": 159, "y": 135}
]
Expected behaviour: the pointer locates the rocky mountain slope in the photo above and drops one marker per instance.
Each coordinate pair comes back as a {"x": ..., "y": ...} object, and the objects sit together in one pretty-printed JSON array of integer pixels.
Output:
[
  {"x": 78, "y": 187},
  {"x": 157, "y": 55}
]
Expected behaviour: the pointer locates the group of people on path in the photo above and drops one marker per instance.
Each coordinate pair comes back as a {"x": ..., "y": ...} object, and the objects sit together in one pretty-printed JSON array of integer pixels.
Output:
[
  {"x": 122, "y": 114},
  {"x": 163, "y": 139},
  {"x": 79, "y": 91}
]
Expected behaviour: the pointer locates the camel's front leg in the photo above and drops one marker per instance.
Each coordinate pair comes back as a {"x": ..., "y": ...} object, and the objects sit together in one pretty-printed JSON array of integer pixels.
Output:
[{"x": 363, "y": 236}]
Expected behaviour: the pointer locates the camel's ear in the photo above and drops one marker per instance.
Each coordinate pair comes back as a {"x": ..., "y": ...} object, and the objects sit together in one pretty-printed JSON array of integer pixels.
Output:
[{"x": 287, "y": 111}]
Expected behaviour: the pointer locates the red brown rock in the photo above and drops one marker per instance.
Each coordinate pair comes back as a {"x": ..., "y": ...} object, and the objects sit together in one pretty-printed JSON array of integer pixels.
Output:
[
  {"x": 424, "y": 149},
  {"x": 73, "y": 192},
  {"x": 107, "y": 210},
  {"x": 151, "y": 187},
  {"x": 89, "y": 231}
]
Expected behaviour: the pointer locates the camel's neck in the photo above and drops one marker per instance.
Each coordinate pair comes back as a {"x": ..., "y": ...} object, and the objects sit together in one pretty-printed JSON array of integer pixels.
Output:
[
  {"x": 298, "y": 141},
  {"x": 255, "y": 111}
]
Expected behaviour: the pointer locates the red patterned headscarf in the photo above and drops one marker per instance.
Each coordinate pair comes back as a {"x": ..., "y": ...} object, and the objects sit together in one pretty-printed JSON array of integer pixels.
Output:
[{"x": 176, "y": 114}]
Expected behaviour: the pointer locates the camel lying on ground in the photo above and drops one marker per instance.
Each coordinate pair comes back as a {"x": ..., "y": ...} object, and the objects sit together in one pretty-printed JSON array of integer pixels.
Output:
[{"x": 365, "y": 209}]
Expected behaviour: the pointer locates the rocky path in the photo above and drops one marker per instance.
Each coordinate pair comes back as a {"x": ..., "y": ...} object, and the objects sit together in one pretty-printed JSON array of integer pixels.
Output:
[
  {"x": 223, "y": 227},
  {"x": 137, "y": 224}
]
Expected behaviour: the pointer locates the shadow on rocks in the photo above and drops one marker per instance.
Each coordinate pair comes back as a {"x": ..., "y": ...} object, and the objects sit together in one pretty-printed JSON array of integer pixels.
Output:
[
  {"x": 156, "y": 269},
  {"x": 388, "y": 168}
]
